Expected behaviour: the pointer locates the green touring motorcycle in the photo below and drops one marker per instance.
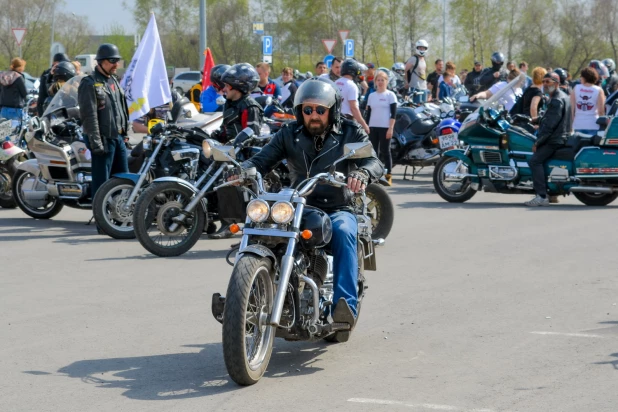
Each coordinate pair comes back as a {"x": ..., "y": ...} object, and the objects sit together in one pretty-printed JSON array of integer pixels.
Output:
[{"x": 495, "y": 156}]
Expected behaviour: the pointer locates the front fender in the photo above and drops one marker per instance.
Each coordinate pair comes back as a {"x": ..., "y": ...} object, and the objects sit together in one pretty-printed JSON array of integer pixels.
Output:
[
  {"x": 30, "y": 166},
  {"x": 258, "y": 250},
  {"x": 461, "y": 155},
  {"x": 134, "y": 177},
  {"x": 177, "y": 180}
]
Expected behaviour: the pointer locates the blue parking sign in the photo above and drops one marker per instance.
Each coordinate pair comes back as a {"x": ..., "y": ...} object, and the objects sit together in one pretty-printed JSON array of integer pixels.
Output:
[
  {"x": 349, "y": 48},
  {"x": 267, "y": 45}
]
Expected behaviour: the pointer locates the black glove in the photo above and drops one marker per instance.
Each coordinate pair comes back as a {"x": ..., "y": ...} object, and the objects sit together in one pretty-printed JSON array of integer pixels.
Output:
[
  {"x": 99, "y": 151},
  {"x": 361, "y": 175}
]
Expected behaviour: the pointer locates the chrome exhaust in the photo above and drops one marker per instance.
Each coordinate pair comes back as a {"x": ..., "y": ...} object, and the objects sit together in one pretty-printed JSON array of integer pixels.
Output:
[
  {"x": 316, "y": 298},
  {"x": 593, "y": 189}
]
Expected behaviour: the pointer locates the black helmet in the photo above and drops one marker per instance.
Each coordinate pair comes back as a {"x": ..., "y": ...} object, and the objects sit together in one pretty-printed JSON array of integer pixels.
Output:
[
  {"x": 215, "y": 75},
  {"x": 61, "y": 57},
  {"x": 318, "y": 90},
  {"x": 107, "y": 51},
  {"x": 242, "y": 77},
  {"x": 351, "y": 67},
  {"x": 497, "y": 58},
  {"x": 64, "y": 71},
  {"x": 562, "y": 74},
  {"x": 610, "y": 64}
]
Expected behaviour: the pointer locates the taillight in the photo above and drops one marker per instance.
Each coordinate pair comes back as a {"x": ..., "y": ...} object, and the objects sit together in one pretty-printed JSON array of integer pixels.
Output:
[
  {"x": 7, "y": 145},
  {"x": 446, "y": 130}
]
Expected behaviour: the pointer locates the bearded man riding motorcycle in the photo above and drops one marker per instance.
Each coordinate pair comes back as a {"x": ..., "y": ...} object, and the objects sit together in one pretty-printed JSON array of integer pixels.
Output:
[
  {"x": 240, "y": 111},
  {"x": 311, "y": 145}
]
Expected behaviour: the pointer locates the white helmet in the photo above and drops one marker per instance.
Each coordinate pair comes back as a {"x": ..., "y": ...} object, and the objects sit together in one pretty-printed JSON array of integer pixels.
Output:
[{"x": 422, "y": 43}]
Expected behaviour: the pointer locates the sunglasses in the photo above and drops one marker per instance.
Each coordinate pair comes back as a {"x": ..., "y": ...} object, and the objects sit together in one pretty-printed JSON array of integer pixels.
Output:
[
  {"x": 113, "y": 61},
  {"x": 548, "y": 81},
  {"x": 308, "y": 110}
]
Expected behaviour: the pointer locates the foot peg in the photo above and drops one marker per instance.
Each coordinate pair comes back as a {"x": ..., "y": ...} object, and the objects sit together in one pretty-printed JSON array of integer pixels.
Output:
[{"x": 218, "y": 303}]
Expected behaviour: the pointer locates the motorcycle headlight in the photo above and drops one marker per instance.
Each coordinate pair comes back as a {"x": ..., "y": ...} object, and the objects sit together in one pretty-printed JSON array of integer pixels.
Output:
[
  {"x": 282, "y": 212},
  {"x": 146, "y": 142},
  {"x": 207, "y": 146},
  {"x": 258, "y": 210}
]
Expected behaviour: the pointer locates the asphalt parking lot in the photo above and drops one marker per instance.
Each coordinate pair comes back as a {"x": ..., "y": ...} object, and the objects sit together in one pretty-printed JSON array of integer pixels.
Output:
[{"x": 483, "y": 306}]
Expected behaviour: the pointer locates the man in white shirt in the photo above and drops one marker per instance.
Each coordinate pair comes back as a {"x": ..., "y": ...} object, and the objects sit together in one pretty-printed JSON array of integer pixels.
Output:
[
  {"x": 415, "y": 76},
  {"x": 335, "y": 70},
  {"x": 350, "y": 70}
]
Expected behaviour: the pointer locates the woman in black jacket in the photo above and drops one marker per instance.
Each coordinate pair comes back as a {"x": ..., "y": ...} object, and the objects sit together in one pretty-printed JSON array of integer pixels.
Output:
[{"x": 13, "y": 90}]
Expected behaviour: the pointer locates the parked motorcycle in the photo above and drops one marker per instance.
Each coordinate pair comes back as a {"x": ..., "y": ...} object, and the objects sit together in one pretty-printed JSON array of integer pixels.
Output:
[
  {"x": 282, "y": 282},
  {"x": 10, "y": 157},
  {"x": 497, "y": 155},
  {"x": 170, "y": 151}
]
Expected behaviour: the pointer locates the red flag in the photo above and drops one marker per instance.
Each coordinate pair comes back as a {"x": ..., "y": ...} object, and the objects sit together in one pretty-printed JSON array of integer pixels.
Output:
[{"x": 209, "y": 63}]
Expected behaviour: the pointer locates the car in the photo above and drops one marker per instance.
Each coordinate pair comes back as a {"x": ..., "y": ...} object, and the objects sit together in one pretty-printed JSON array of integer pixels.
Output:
[{"x": 184, "y": 81}]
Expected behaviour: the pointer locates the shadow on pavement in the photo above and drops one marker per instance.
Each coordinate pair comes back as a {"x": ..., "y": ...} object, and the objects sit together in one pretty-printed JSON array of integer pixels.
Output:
[
  {"x": 26, "y": 228},
  {"x": 443, "y": 204},
  {"x": 187, "y": 375},
  {"x": 190, "y": 255}
]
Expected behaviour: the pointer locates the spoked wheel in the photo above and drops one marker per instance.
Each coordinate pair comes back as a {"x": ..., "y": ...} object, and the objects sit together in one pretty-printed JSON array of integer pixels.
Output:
[
  {"x": 110, "y": 211},
  {"x": 32, "y": 198},
  {"x": 154, "y": 220},
  {"x": 247, "y": 337},
  {"x": 595, "y": 199},
  {"x": 380, "y": 209},
  {"x": 449, "y": 182},
  {"x": 6, "y": 191}
]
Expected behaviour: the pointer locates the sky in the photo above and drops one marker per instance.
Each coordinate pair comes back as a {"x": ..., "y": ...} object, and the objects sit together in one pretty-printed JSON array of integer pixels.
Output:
[{"x": 102, "y": 15}]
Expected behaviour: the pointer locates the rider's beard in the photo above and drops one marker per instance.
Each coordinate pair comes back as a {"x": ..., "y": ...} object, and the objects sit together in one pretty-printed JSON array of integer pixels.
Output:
[
  {"x": 549, "y": 89},
  {"x": 316, "y": 127}
]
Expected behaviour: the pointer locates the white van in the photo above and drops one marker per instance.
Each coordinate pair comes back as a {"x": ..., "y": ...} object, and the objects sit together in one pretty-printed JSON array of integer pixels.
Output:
[{"x": 87, "y": 61}]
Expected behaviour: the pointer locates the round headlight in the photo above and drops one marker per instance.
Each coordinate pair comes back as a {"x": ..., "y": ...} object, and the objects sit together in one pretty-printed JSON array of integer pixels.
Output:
[
  {"x": 258, "y": 210},
  {"x": 282, "y": 212},
  {"x": 206, "y": 148}
]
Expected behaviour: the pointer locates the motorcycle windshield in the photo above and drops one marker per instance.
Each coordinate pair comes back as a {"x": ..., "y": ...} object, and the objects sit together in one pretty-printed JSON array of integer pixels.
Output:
[
  {"x": 65, "y": 97},
  {"x": 498, "y": 99}
]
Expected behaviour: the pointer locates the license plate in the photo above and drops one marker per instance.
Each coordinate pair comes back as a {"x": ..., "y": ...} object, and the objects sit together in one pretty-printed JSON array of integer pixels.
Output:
[{"x": 448, "y": 140}]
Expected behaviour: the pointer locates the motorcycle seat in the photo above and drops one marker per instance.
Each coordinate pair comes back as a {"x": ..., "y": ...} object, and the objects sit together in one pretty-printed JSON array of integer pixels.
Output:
[
  {"x": 564, "y": 153},
  {"x": 579, "y": 140},
  {"x": 421, "y": 127}
]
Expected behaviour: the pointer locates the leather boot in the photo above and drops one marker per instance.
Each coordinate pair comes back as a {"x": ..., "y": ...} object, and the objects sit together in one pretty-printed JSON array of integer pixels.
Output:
[
  {"x": 389, "y": 179},
  {"x": 224, "y": 232},
  {"x": 343, "y": 313}
]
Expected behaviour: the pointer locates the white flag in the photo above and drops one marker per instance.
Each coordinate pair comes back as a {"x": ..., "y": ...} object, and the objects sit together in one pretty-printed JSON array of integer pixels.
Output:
[{"x": 145, "y": 81}]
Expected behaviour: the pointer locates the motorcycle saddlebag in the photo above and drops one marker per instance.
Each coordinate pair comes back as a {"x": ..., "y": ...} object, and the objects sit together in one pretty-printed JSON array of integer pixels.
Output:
[{"x": 232, "y": 205}]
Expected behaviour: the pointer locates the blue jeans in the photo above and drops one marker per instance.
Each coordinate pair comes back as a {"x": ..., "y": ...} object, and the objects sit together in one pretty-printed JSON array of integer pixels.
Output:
[
  {"x": 421, "y": 98},
  {"x": 345, "y": 260},
  {"x": 106, "y": 165},
  {"x": 11, "y": 113}
]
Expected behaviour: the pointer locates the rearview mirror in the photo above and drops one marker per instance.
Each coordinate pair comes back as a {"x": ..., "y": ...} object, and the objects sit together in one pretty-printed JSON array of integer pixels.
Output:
[
  {"x": 244, "y": 135},
  {"x": 359, "y": 150},
  {"x": 223, "y": 153}
]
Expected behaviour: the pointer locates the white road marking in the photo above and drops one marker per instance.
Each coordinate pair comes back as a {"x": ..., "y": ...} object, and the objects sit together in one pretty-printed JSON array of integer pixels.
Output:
[
  {"x": 575, "y": 335},
  {"x": 428, "y": 406}
]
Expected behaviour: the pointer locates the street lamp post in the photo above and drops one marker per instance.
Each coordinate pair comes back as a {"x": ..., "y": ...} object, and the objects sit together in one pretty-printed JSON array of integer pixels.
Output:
[{"x": 202, "y": 31}]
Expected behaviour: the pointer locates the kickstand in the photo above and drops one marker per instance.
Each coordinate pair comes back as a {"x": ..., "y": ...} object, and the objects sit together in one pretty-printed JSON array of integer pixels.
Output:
[
  {"x": 90, "y": 221},
  {"x": 404, "y": 174}
]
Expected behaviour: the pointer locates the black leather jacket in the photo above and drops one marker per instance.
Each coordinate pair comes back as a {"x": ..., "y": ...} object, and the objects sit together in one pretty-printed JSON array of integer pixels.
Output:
[
  {"x": 237, "y": 115},
  {"x": 555, "y": 127},
  {"x": 43, "y": 86},
  {"x": 96, "y": 110},
  {"x": 291, "y": 143},
  {"x": 472, "y": 82},
  {"x": 487, "y": 77}
]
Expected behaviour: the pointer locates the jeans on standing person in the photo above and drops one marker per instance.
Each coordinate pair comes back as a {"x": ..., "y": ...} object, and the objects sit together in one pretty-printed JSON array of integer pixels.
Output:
[
  {"x": 345, "y": 259},
  {"x": 537, "y": 167},
  {"x": 11, "y": 113},
  {"x": 382, "y": 146},
  {"x": 106, "y": 165},
  {"x": 419, "y": 98}
]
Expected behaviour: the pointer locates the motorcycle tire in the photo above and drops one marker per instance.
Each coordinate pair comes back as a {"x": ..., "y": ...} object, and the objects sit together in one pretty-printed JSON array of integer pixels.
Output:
[
  {"x": 444, "y": 193},
  {"x": 381, "y": 210},
  {"x": 147, "y": 216},
  {"x": 595, "y": 199},
  {"x": 6, "y": 192},
  {"x": 51, "y": 209},
  {"x": 107, "y": 211},
  {"x": 250, "y": 289}
]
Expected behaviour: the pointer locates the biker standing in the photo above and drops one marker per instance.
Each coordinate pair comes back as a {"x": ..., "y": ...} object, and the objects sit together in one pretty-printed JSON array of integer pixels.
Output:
[
  {"x": 416, "y": 72},
  {"x": 311, "y": 144}
]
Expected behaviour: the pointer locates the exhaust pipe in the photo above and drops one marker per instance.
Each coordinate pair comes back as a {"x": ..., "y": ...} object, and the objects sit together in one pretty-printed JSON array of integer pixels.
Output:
[
  {"x": 593, "y": 189},
  {"x": 316, "y": 299}
]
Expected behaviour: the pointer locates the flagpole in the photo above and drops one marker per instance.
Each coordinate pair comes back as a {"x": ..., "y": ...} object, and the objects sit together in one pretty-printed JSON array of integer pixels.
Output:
[{"x": 202, "y": 30}]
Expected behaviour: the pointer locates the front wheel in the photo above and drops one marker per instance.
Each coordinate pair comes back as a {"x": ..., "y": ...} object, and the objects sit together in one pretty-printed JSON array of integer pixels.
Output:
[
  {"x": 247, "y": 336},
  {"x": 109, "y": 208},
  {"x": 450, "y": 187},
  {"x": 32, "y": 198},
  {"x": 154, "y": 220},
  {"x": 595, "y": 199}
]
